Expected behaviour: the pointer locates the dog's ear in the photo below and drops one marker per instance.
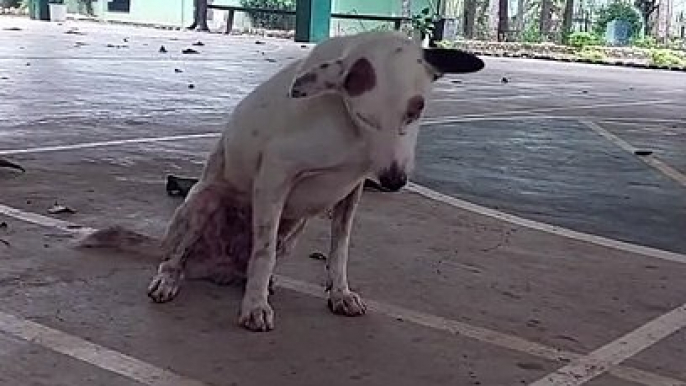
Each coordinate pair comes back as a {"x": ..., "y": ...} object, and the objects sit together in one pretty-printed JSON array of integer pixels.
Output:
[
  {"x": 452, "y": 61},
  {"x": 354, "y": 79}
]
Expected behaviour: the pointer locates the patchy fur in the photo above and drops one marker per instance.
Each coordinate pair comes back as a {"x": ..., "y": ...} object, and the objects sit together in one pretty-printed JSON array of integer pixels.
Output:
[{"x": 300, "y": 144}]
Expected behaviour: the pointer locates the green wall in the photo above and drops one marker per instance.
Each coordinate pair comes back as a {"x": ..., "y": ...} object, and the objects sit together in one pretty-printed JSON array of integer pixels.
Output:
[{"x": 179, "y": 13}]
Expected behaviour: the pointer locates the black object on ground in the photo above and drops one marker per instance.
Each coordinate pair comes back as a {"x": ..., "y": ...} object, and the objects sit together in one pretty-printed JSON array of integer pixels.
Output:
[
  {"x": 7, "y": 164},
  {"x": 163, "y": 50},
  {"x": 317, "y": 256},
  {"x": 179, "y": 186},
  {"x": 643, "y": 152}
]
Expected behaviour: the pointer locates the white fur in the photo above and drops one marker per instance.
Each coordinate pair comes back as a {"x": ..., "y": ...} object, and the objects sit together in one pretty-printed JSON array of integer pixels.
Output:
[{"x": 294, "y": 148}]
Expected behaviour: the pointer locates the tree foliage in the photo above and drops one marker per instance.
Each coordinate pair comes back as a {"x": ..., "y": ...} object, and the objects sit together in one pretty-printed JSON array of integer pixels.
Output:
[
  {"x": 617, "y": 10},
  {"x": 270, "y": 20}
]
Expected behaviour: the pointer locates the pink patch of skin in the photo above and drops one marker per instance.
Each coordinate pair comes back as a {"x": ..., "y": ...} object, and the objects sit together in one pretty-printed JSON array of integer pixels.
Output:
[
  {"x": 361, "y": 78},
  {"x": 224, "y": 245}
]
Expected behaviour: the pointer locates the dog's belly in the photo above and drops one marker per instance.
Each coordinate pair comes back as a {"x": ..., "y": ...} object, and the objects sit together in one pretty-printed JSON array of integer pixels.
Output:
[{"x": 315, "y": 194}]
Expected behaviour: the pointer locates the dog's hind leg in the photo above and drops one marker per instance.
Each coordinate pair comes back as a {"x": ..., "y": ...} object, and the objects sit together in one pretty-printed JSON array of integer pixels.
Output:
[
  {"x": 181, "y": 240},
  {"x": 342, "y": 301}
]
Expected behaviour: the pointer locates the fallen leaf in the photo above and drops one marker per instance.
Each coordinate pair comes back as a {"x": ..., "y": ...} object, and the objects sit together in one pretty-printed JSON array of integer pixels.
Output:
[
  {"x": 317, "y": 256},
  {"x": 163, "y": 50},
  {"x": 7, "y": 164},
  {"x": 189, "y": 51}
]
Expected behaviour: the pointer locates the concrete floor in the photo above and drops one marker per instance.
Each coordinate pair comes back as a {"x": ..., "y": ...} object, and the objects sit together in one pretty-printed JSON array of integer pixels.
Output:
[{"x": 461, "y": 291}]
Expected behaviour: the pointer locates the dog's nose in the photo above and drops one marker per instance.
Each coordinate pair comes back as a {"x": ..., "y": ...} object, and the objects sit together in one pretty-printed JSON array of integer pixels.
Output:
[{"x": 393, "y": 178}]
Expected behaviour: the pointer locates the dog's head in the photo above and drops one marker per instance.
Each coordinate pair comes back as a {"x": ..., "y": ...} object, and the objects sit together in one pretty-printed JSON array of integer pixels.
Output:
[{"x": 384, "y": 80}]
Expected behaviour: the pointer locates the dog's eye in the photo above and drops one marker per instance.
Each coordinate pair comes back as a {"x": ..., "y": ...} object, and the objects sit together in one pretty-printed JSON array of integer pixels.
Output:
[{"x": 415, "y": 106}]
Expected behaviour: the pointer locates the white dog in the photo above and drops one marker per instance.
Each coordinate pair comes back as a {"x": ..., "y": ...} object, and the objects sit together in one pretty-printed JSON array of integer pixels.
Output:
[{"x": 300, "y": 144}]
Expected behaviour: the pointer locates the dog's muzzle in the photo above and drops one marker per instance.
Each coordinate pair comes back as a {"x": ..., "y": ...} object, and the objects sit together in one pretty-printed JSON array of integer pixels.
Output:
[{"x": 393, "y": 178}]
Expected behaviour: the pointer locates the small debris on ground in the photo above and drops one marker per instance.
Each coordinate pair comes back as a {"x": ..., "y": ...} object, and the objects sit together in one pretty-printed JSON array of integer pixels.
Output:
[
  {"x": 5, "y": 242},
  {"x": 179, "y": 186},
  {"x": 191, "y": 86},
  {"x": 57, "y": 208},
  {"x": 504, "y": 80},
  {"x": 271, "y": 60},
  {"x": 163, "y": 50},
  {"x": 126, "y": 40},
  {"x": 456, "y": 81},
  {"x": 643, "y": 152},
  {"x": 3, "y": 225},
  {"x": 12, "y": 29},
  {"x": 74, "y": 31},
  {"x": 189, "y": 51},
  {"x": 4, "y": 78},
  {"x": 317, "y": 256},
  {"x": 8, "y": 164},
  {"x": 178, "y": 70},
  {"x": 28, "y": 64},
  {"x": 259, "y": 42},
  {"x": 199, "y": 44},
  {"x": 79, "y": 44},
  {"x": 303, "y": 46}
]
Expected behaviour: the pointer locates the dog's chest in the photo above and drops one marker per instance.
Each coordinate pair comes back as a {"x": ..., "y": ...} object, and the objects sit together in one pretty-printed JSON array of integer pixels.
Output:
[{"x": 317, "y": 193}]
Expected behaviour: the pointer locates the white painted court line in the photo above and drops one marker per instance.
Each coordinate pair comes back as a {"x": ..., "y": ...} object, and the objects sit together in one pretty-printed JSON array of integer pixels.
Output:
[
  {"x": 486, "y": 98},
  {"x": 481, "y": 334},
  {"x": 424, "y": 191},
  {"x": 648, "y": 159},
  {"x": 550, "y": 109},
  {"x": 588, "y": 367},
  {"x": 540, "y": 226},
  {"x": 91, "y": 145},
  {"x": 91, "y": 353},
  {"x": 426, "y": 121}
]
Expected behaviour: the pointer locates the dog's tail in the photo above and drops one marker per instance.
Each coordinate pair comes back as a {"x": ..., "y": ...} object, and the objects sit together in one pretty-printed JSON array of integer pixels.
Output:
[{"x": 121, "y": 239}]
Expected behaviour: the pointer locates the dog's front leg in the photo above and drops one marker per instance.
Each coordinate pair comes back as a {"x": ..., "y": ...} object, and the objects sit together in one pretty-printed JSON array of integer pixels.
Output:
[
  {"x": 341, "y": 300},
  {"x": 269, "y": 194}
]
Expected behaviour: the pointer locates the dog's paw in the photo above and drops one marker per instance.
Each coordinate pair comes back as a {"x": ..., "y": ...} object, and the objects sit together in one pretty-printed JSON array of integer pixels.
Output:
[
  {"x": 257, "y": 316},
  {"x": 346, "y": 303},
  {"x": 164, "y": 287}
]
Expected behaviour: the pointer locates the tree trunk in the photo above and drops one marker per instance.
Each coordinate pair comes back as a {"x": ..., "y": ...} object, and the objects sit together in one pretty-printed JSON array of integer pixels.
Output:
[
  {"x": 520, "y": 18},
  {"x": 544, "y": 20},
  {"x": 503, "y": 19},
  {"x": 567, "y": 20},
  {"x": 647, "y": 31},
  {"x": 199, "y": 16},
  {"x": 492, "y": 19},
  {"x": 469, "y": 18}
]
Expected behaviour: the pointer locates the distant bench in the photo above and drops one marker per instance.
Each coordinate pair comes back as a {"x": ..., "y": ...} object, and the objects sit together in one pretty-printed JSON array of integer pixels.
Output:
[{"x": 397, "y": 20}]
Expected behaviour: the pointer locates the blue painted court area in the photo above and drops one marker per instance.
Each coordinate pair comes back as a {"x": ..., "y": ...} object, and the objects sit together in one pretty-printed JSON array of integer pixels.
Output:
[{"x": 557, "y": 171}]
